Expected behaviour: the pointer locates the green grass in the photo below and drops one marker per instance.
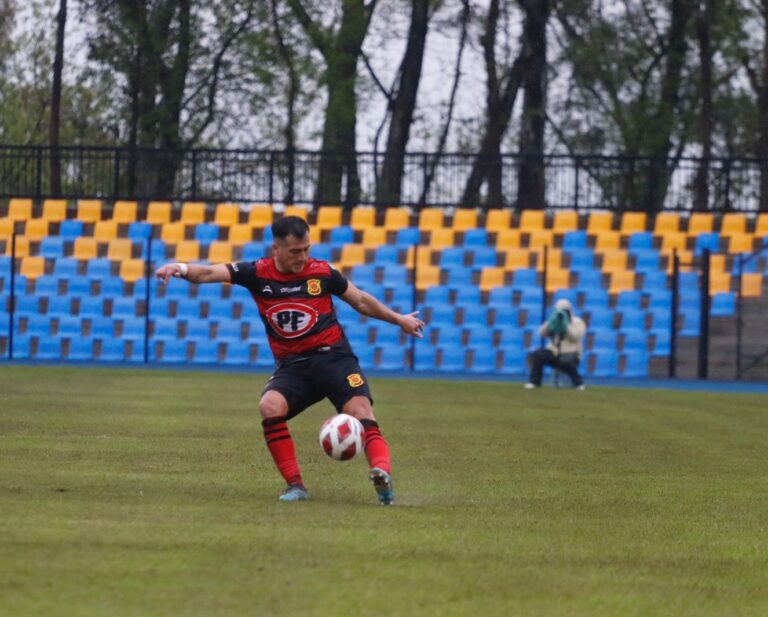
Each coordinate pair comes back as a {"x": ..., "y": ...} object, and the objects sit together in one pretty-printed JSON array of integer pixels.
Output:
[{"x": 145, "y": 493}]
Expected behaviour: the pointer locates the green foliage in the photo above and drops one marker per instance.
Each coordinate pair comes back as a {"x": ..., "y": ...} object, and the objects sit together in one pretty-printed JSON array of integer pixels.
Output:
[{"x": 129, "y": 492}]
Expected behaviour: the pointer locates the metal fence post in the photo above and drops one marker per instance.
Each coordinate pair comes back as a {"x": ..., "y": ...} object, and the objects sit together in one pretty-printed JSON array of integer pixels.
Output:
[
  {"x": 704, "y": 316},
  {"x": 12, "y": 299},
  {"x": 148, "y": 279},
  {"x": 738, "y": 315},
  {"x": 116, "y": 175},
  {"x": 673, "y": 315}
]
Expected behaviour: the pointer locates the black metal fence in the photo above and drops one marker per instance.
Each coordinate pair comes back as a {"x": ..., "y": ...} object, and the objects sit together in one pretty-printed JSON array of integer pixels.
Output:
[{"x": 429, "y": 179}]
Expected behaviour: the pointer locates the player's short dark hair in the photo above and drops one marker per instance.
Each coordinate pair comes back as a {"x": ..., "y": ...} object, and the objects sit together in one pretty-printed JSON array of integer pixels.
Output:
[{"x": 289, "y": 226}]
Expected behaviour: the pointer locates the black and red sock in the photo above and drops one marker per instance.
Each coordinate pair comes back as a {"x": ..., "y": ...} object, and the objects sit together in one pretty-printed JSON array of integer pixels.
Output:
[
  {"x": 281, "y": 448},
  {"x": 376, "y": 448}
]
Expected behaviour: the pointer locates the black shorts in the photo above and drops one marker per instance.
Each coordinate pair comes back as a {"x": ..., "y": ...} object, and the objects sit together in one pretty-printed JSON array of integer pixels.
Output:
[{"x": 334, "y": 374}]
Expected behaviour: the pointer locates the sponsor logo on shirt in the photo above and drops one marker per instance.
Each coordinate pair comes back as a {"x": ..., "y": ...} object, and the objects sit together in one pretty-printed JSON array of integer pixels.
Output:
[
  {"x": 355, "y": 380},
  {"x": 266, "y": 289},
  {"x": 291, "y": 319},
  {"x": 287, "y": 290},
  {"x": 313, "y": 287}
]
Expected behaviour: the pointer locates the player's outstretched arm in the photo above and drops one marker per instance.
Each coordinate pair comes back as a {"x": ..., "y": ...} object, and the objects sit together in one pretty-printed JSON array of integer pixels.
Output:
[
  {"x": 194, "y": 273},
  {"x": 369, "y": 306}
]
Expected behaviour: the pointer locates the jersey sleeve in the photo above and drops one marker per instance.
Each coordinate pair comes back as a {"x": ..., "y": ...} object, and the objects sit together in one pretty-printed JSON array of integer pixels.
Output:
[
  {"x": 337, "y": 284},
  {"x": 242, "y": 272}
]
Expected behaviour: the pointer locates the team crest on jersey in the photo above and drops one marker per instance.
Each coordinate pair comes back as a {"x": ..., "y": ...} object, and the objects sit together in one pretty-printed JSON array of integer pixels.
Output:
[
  {"x": 313, "y": 287},
  {"x": 291, "y": 319},
  {"x": 355, "y": 380}
]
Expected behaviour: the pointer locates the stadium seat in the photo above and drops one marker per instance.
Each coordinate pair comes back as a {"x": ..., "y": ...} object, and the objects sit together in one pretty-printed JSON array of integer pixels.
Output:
[
  {"x": 666, "y": 222},
  {"x": 479, "y": 335},
  {"x": 300, "y": 211},
  {"x": 205, "y": 233},
  {"x": 47, "y": 285},
  {"x": 119, "y": 249},
  {"x": 21, "y": 249},
  {"x": 192, "y": 212},
  {"x": 205, "y": 352},
  {"x": 484, "y": 257},
  {"x": 112, "y": 287},
  {"x": 706, "y": 241},
  {"x": 391, "y": 358},
  {"x": 59, "y": 306},
  {"x": 226, "y": 214},
  {"x": 71, "y": 229},
  {"x": 173, "y": 351},
  {"x": 187, "y": 250},
  {"x": 48, "y": 348},
  {"x": 132, "y": 328},
  {"x": 633, "y": 340},
  {"x": 362, "y": 218},
  {"x": 237, "y": 353},
  {"x": 85, "y": 248},
  {"x": 661, "y": 341},
  {"x": 32, "y": 267},
  {"x": 124, "y": 211},
  {"x": 700, "y": 222},
  {"x": 599, "y": 222},
  {"x": 532, "y": 220},
  {"x": 341, "y": 235},
  {"x": 374, "y": 237},
  {"x": 467, "y": 295},
  {"x": 38, "y": 325},
  {"x": 492, "y": 277},
  {"x": 52, "y": 247},
  {"x": 112, "y": 350},
  {"x": 103, "y": 231},
  {"x": 565, "y": 221},
  {"x": 260, "y": 216},
  {"x": 172, "y": 233},
  {"x": 78, "y": 285},
  {"x": 504, "y": 316},
  {"x": 424, "y": 357},
  {"x": 240, "y": 233},
  {"x": 513, "y": 363},
  {"x": 474, "y": 314},
  {"x": 90, "y": 307},
  {"x": 253, "y": 251},
  {"x": 387, "y": 255},
  {"x": 80, "y": 349},
  {"x": 605, "y": 364},
  {"x": 635, "y": 364},
  {"x": 19, "y": 209},
  {"x": 452, "y": 359},
  {"x": 431, "y": 218},
  {"x": 633, "y": 222},
  {"x": 54, "y": 210},
  {"x": 483, "y": 359},
  {"x": 188, "y": 308},
  {"x": 158, "y": 212},
  {"x": 36, "y": 229},
  {"x": 439, "y": 294},
  {"x": 220, "y": 251},
  {"x": 723, "y": 304},
  {"x": 132, "y": 270}
]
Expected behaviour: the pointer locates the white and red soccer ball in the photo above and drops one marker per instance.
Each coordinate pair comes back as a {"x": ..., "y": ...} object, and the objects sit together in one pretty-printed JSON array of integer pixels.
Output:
[{"x": 341, "y": 437}]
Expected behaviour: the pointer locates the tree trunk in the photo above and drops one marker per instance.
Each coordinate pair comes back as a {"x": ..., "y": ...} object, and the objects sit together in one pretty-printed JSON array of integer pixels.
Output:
[
  {"x": 706, "y": 121},
  {"x": 531, "y": 181},
  {"x": 389, "y": 188},
  {"x": 762, "y": 106},
  {"x": 58, "y": 67}
]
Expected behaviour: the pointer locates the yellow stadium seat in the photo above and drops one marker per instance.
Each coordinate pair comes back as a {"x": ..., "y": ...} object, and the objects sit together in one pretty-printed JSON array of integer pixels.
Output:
[
  {"x": 22, "y": 246},
  {"x": 607, "y": 240},
  {"x": 685, "y": 258},
  {"x": 532, "y": 220},
  {"x": 427, "y": 276},
  {"x": 497, "y": 220},
  {"x": 761, "y": 225},
  {"x": 173, "y": 232},
  {"x": 352, "y": 255},
  {"x": 424, "y": 256},
  {"x": 55, "y": 210},
  {"x": 227, "y": 215},
  {"x": 491, "y": 277},
  {"x": 565, "y": 220},
  {"x": 554, "y": 259},
  {"x": 441, "y": 238},
  {"x": 32, "y": 267},
  {"x": 315, "y": 235},
  {"x": 187, "y": 250},
  {"x": 666, "y": 222},
  {"x": 300, "y": 211},
  {"x": 219, "y": 252},
  {"x": 260, "y": 216},
  {"x": 374, "y": 237},
  {"x": 622, "y": 280},
  {"x": 36, "y": 229},
  {"x": 105, "y": 230},
  {"x": 717, "y": 262},
  {"x": 124, "y": 211},
  {"x": 752, "y": 285},
  {"x": 558, "y": 278},
  {"x": 517, "y": 258},
  {"x": 508, "y": 239},
  {"x": 241, "y": 233},
  {"x": 719, "y": 282},
  {"x": 396, "y": 218},
  {"x": 740, "y": 243},
  {"x": 464, "y": 218},
  {"x": 119, "y": 249},
  {"x": 6, "y": 227},
  {"x": 733, "y": 223},
  {"x": 328, "y": 217},
  {"x": 19, "y": 209},
  {"x": 599, "y": 222},
  {"x": 192, "y": 212},
  {"x": 431, "y": 218},
  {"x": 85, "y": 247},
  {"x": 700, "y": 222},
  {"x": 673, "y": 240},
  {"x": 132, "y": 270},
  {"x": 362, "y": 217},
  {"x": 539, "y": 238},
  {"x": 633, "y": 222},
  {"x": 614, "y": 261},
  {"x": 89, "y": 210},
  {"x": 158, "y": 212}
]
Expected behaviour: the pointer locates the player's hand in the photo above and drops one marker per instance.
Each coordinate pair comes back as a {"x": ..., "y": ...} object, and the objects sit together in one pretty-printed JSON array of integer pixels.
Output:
[
  {"x": 164, "y": 273},
  {"x": 411, "y": 324}
]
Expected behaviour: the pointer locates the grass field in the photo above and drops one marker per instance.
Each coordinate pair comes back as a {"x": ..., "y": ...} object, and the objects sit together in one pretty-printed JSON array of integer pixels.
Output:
[{"x": 127, "y": 492}]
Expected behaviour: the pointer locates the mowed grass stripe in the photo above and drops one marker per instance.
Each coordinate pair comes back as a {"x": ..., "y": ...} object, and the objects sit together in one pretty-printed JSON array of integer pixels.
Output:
[{"x": 131, "y": 492}]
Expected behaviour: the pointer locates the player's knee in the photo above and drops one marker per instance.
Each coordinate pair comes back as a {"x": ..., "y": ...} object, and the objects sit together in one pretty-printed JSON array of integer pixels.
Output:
[
  {"x": 359, "y": 407},
  {"x": 273, "y": 405}
]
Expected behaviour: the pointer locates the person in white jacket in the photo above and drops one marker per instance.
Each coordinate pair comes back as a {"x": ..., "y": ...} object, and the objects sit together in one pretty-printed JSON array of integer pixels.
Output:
[{"x": 565, "y": 332}]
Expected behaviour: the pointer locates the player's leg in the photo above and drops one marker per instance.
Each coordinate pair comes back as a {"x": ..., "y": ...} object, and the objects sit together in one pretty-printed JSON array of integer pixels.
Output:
[
  {"x": 538, "y": 360},
  {"x": 570, "y": 367}
]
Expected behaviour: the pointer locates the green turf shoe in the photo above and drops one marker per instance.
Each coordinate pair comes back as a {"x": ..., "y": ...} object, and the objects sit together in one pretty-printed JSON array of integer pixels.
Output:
[
  {"x": 294, "y": 492},
  {"x": 382, "y": 482}
]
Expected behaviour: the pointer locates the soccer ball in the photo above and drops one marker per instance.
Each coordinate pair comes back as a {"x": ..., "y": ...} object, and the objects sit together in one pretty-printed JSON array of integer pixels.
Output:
[{"x": 341, "y": 437}]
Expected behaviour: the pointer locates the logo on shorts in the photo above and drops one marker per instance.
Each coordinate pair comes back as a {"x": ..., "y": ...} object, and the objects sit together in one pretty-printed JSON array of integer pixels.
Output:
[
  {"x": 355, "y": 380},
  {"x": 291, "y": 319},
  {"x": 313, "y": 287}
]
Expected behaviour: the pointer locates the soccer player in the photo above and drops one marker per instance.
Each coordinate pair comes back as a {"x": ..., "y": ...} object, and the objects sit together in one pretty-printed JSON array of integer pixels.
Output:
[{"x": 312, "y": 355}]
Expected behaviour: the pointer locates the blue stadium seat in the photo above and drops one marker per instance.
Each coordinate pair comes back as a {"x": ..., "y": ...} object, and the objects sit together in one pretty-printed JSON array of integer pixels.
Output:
[
  {"x": 91, "y": 306},
  {"x": 691, "y": 322},
  {"x": 723, "y": 304},
  {"x": 80, "y": 349},
  {"x": 48, "y": 348},
  {"x": 159, "y": 251},
  {"x": 525, "y": 277},
  {"x": 661, "y": 344},
  {"x": 688, "y": 281},
  {"x": 27, "y": 305},
  {"x": 159, "y": 307},
  {"x": 80, "y": 286},
  {"x": 407, "y": 236},
  {"x": 660, "y": 317},
  {"x": 341, "y": 235},
  {"x": 453, "y": 256},
  {"x": 595, "y": 297},
  {"x": 209, "y": 292},
  {"x": 220, "y": 309},
  {"x": 483, "y": 359},
  {"x": 187, "y": 309},
  {"x": 581, "y": 259},
  {"x": 475, "y": 315},
  {"x": 114, "y": 287},
  {"x": 345, "y": 313},
  {"x": 175, "y": 289},
  {"x": 133, "y": 328},
  {"x": 365, "y": 356},
  {"x": 206, "y": 352},
  {"x": 386, "y": 334},
  {"x": 323, "y": 251},
  {"x": 66, "y": 267},
  {"x": 99, "y": 268},
  {"x": 603, "y": 339},
  {"x": 506, "y": 316},
  {"x": 654, "y": 281},
  {"x": 511, "y": 339},
  {"x": 452, "y": 359},
  {"x": 228, "y": 330},
  {"x": 476, "y": 237},
  {"x": 394, "y": 276},
  {"x": 437, "y": 294},
  {"x": 660, "y": 300},
  {"x": 459, "y": 276},
  {"x": 364, "y": 274},
  {"x": 500, "y": 297},
  {"x": 479, "y": 336},
  {"x": 601, "y": 317},
  {"x": 112, "y": 350},
  {"x": 513, "y": 362},
  {"x": 102, "y": 327},
  {"x": 198, "y": 329},
  {"x": 59, "y": 306},
  {"x": 264, "y": 357},
  {"x": 70, "y": 229},
  {"x": 574, "y": 240},
  {"x": 448, "y": 336},
  {"x": 22, "y": 344},
  {"x": 629, "y": 299},
  {"x": 237, "y": 353},
  {"x": 357, "y": 333},
  {"x": 70, "y": 326},
  {"x": 647, "y": 261},
  {"x": 635, "y": 364},
  {"x": 401, "y": 298},
  {"x": 124, "y": 307},
  {"x": 387, "y": 255},
  {"x": 253, "y": 251},
  {"x": 39, "y": 326},
  {"x": 174, "y": 350},
  {"x": 606, "y": 364},
  {"x": 640, "y": 241},
  {"x": 441, "y": 314},
  {"x": 467, "y": 295},
  {"x": 164, "y": 328},
  {"x": 140, "y": 231},
  {"x": 484, "y": 257},
  {"x": 424, "y": 357},
  {"x": 632, "y": 318},
  {"x": 51, "y": 247},
  {"x": 590, "y": 280},
  {"x": 47, "y": 285},
  {"x": 391, "y": 358},
  {"x": 572, "y": 295},
  {"x": 710, "y": 240},
  {"x": 633, "y": 340}
]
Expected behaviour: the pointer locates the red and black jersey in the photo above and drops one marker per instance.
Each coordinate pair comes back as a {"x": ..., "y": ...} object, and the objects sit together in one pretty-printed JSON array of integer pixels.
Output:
[{"x": 296, "y": 309}]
